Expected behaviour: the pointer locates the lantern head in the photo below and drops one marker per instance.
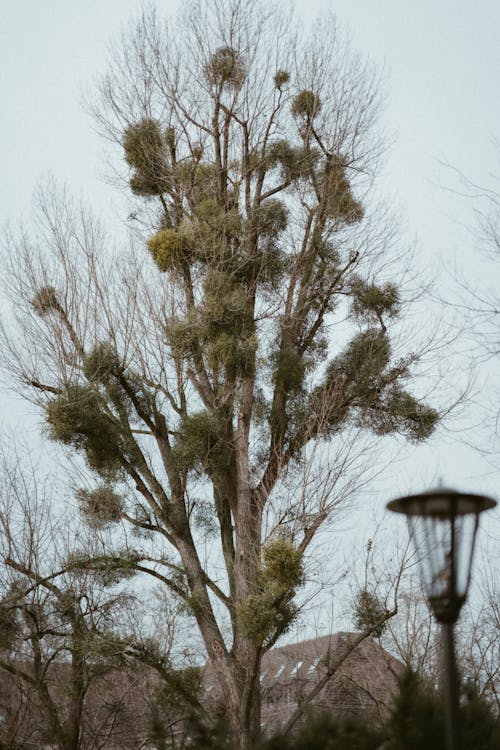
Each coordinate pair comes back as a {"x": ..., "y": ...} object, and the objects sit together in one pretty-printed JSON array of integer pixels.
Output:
[{"x": 443, "y": 525}]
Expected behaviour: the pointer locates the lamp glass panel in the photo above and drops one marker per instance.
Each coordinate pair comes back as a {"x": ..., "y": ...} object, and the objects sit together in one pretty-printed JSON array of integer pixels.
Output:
[
  {"x": 465, "y": 530},
  {"x": 444, "y": 546}
]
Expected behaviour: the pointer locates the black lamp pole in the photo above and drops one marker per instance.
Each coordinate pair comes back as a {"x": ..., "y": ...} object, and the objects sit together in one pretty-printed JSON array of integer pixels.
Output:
[
  {"x": 450, "y": 683},
  {"x": 443, "y": 524}
]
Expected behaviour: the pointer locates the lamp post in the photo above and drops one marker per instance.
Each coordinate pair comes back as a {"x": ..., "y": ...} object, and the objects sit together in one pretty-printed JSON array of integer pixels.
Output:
[{"x": 443, "y": 524}]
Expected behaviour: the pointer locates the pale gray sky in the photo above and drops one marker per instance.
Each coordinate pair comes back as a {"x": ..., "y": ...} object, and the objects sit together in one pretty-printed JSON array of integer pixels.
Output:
[{"x": 442, "y": 59}]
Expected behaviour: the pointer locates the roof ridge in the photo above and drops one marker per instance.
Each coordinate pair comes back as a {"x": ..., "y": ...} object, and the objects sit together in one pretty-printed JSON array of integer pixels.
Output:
[{"x": 318, "y": 639}]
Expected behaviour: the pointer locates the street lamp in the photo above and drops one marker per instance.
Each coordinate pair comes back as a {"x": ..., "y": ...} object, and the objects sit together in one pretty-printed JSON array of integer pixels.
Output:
[{"x": 443, "y": 525}]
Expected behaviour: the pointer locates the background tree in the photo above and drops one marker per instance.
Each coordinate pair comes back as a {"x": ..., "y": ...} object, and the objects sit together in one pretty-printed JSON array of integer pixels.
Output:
[
  {"x": 480, "y": 635},
  {"x": 405, "y": 626},
  {"x": 55, "y": 624},
  {"x": 478, "y": 300},
  {"x": 483, "y": 302},
  {"x": 198, "y": 377}
]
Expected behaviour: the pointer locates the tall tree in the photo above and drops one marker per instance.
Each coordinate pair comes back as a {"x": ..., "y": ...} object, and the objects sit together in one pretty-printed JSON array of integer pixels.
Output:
[{"x": 219, "y": 379}]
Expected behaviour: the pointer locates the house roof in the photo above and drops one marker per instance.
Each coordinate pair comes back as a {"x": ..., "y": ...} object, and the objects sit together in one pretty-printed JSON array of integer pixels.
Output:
[{"x": 360, "y": 676}]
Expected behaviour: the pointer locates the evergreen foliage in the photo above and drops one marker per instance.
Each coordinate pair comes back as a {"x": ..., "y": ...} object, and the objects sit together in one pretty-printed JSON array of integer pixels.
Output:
[
  {"x": 157, "y": 732},
  {"x": 480, "y": 725},
  {"x": 416, "y": 721},
  {"x": 329, "y": 732},
  {"x": 181, "y": 689},
  {"x": 320, "y": 732},
  {"x": 8, "y": 626}
]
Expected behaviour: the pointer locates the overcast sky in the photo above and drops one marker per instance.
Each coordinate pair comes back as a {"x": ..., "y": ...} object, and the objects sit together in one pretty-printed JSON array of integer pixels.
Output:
[{"x": 442, "y": 59}]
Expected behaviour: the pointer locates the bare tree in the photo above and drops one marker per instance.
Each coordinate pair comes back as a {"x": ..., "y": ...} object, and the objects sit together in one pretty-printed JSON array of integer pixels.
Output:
[
  {"x": 55, "y": 624},
  {"x": 483, "y": 301},
  {"x": 202, "y": 380},
  {"x": 412, "y": 633},
  {"x": 475, "y": 295},
  {"x": 480, "y": 638}
]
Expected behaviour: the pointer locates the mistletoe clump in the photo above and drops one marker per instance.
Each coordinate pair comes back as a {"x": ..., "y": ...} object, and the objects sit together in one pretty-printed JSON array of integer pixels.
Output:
[
  {"x": 226, "y": 68},
  {"x": 46, "y": 300},
  {"x": 102, "y": 363},
  {"x": 370, "y": 301},
  {"x": 199, "y": 445},
  {"x": 168, "y": 248},
  {"x": 280, "y": 78},
  {"x": 372, "y": 388},
  {"x": 226, "y": 326},
  {"x": 108, "y": 570},
  {"x": 400, "y": 412},
  {"x": 370, "y": 614},
  {"x": 225, "y": 307},
  {"x": 338, "y": 200},
  {"x": 296, "y": 162},
  {"x": 101, "y": 507},
  {"x": 271, "y": 218},
  {"x": 183, "y": 335},
  {"x": 306, "y": 104},
  {"x": 269, "y": 609},
  {"x": 216, "y": 228},
  {"x": 78, "y": 417},
  {"x": 361, "y": 366},
  {"x": 196, "y": 178},
  {"x": 290, "y": 368},
  {"x": 361, "y": 383},
  {"x": 236, "y": 357},
  {"x": 144, "y": 148}
]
